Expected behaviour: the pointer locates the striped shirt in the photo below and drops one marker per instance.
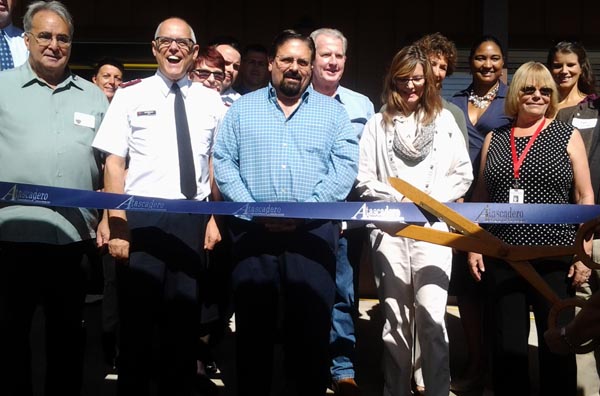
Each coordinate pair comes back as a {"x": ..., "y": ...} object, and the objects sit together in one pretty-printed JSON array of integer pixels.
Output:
[{"x": 260, "y": 155}]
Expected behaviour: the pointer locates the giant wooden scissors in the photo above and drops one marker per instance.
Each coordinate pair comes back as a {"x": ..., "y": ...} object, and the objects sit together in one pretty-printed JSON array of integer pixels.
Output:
[{"x": 472, "y": 238}]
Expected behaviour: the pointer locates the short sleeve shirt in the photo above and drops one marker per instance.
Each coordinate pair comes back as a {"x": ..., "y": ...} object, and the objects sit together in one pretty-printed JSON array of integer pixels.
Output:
[
  {"x": 46, "y": 139},
  {"x": 140, "y": 125}
]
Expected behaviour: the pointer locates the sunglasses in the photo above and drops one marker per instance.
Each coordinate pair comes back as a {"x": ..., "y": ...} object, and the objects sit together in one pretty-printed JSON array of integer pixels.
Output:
[
  {"x": 205, "y": 74},
  {"x": 530, "y": 90}
]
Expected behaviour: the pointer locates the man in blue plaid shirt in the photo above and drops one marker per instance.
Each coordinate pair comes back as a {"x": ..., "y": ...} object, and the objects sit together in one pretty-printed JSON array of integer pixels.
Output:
[{"x": 287, "y": 143}]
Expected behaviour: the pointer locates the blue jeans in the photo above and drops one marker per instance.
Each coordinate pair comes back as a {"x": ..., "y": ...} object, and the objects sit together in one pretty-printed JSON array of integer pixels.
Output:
[{"x": 342, "y": 338}]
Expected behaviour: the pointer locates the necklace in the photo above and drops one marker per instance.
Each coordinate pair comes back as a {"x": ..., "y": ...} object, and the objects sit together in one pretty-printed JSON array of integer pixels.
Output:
[{"x": 481, "y": 102}]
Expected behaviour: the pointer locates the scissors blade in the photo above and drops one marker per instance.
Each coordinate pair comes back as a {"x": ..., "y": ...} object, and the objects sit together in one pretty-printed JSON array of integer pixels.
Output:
[
  {"x": 522, "y": 253},
  {"x": 449, "y": 216},
  {"x": 450, "y": 239},
  {"x": 526, "y": 270}
]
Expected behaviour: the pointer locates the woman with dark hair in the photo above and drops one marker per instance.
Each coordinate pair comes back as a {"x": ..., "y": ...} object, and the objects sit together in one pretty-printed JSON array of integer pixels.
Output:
[
  {"x": 483, "y": 100},
  {"x": 580, "y": 106},
  {"x": 571, "y": 69},
  {"x": 483, "y": 105},
  {"x": 534, "y": 160},
  {"x": 416, "y": 140},
  {"x": 578, "y": 103}
]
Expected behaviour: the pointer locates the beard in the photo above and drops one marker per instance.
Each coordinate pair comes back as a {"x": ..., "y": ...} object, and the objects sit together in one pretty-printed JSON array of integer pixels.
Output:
[{"x": 291, "y": 88}]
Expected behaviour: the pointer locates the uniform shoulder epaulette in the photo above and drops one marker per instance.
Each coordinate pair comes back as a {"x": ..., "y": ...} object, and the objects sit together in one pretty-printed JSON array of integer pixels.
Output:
[{"x": 130, "y": 83}]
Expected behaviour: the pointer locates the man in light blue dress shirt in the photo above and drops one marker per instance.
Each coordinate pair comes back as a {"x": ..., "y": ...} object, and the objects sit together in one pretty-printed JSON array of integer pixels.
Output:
[
  {"x": 285, "y": 142},
  {"x": 328, "y": 69}
]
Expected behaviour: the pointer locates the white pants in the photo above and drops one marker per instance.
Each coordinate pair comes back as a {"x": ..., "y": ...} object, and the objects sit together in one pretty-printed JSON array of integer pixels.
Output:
[{"x": 412, "y": 282}]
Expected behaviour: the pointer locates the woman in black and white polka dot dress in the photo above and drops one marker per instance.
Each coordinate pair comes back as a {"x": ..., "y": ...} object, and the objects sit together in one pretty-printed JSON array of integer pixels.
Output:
[{"x": 534, "y": 160}]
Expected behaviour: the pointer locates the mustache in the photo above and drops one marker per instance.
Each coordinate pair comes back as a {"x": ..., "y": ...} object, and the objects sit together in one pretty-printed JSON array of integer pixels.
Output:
[{"x": 291, "y": 74}]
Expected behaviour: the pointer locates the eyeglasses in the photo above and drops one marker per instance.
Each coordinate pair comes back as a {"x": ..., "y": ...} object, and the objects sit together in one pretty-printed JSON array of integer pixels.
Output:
[
  {"x": 45, "y": 39},
  {"x": 530, "y": 90},
  {"x": 205, "y": 74},
  {"x": 286, "y": 62},
  {"x": 163, "y": 42},
  {"x": 416, "y": 80}
]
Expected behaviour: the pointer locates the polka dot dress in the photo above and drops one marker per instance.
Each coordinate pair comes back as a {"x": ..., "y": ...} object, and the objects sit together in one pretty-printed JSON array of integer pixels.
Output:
[{"x": 546, "y": 175}]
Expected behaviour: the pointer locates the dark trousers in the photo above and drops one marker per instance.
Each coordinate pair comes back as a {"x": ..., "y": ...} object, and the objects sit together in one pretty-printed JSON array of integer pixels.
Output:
[
  {"x": 285, "y": 279},
  {"x": 158, "y": 304},
  {"x": 510, "y": 298},
  {"x": 52, "y": 276}
]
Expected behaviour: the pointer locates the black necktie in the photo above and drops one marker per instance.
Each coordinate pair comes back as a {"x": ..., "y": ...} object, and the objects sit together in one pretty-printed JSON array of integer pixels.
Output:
[{"x": 187, "y": 174}]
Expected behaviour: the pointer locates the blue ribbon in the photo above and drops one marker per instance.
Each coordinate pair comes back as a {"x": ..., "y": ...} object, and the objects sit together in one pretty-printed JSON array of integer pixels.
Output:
[{"x": 483, "y": 213}]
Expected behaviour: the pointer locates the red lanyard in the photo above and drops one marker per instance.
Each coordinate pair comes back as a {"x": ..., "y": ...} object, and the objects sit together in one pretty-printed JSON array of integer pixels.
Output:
[{"x": 517, "y": 162}]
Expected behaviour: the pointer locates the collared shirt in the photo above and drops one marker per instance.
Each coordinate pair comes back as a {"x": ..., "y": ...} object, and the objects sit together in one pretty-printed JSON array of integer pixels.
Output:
[
  {"x": 140, "y": 124},
  {"x": 359, "y": 107},
  {"x": 585, "y": 116},
  {"x": 445, "y": 173},
  {"x": 14, "y": 36},
  {"x": 229, "y": 96},
  {"x": 492, "y": 118},
  {"x": 310, "y": 156},
  {"x": 46, "y": 139}
]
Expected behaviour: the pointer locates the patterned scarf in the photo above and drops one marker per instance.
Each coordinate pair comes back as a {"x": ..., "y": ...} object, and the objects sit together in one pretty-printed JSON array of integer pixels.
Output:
[{"x": 415, "y": 151}]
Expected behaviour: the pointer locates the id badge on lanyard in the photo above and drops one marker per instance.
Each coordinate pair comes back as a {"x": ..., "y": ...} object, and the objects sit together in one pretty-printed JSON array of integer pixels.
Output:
[{"x": 516, "y": 194}]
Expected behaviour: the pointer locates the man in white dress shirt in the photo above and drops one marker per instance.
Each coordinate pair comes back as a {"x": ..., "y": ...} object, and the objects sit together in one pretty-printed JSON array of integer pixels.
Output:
[{"x": 158, "y": 287}]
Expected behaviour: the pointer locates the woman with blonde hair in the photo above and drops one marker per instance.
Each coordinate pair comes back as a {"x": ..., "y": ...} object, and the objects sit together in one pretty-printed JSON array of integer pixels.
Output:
[
  {"x": 538, "y": 160},
  {"x": 416, "y": 140}
]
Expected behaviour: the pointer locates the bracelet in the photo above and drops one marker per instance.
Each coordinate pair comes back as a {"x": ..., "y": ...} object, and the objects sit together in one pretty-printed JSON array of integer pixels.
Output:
[{"x": 563, "y": 336}]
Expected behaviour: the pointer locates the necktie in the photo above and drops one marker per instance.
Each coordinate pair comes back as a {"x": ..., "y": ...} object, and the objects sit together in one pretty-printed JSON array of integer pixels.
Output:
[
  {"x": 6, "y": 60},
  {"x": 5, "y": 55},
  {"x": 187, "y": 174}
]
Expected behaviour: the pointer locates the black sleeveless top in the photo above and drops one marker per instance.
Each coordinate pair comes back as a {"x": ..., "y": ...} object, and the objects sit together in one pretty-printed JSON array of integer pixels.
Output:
[{"x": 546, "y": 175}]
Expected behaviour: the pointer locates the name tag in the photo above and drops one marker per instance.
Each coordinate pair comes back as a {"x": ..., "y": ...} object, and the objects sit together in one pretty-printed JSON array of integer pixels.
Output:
[
  {"x": 516, "y": 195},
  {"x": 86, "y": 120},
  {"x": 584, "y": 123},
  {"x": 146, "y": 113}
]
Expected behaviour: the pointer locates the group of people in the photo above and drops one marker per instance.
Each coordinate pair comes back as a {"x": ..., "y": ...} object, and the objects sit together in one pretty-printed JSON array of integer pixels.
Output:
[{"x": 286, "y": 131}]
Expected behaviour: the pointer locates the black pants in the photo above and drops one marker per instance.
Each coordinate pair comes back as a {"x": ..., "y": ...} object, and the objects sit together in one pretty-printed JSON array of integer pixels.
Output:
[
  {"x": 510, "y": 298},
  {"x": 285, "y": 278},
  {"x": 50, "y": 275},
  {"x": 158, "y": 304}
]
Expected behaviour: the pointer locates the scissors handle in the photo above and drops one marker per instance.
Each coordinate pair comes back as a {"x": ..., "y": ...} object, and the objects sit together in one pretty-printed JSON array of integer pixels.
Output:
[
  {"x": 586, "y": 231},
  {"x": 562, "y": 305}
]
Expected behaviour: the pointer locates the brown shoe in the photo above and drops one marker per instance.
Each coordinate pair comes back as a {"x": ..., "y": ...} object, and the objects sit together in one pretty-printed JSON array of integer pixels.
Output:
[{"x": 346, "y": 387}]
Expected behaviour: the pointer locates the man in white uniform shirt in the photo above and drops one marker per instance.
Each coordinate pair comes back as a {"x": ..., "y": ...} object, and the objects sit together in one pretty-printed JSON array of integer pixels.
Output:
[{"x": 165, "y": 251}]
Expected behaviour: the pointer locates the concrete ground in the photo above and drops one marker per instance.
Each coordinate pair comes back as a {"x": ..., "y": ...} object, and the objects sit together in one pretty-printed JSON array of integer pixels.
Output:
[{"x": 100, "y": 381}]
